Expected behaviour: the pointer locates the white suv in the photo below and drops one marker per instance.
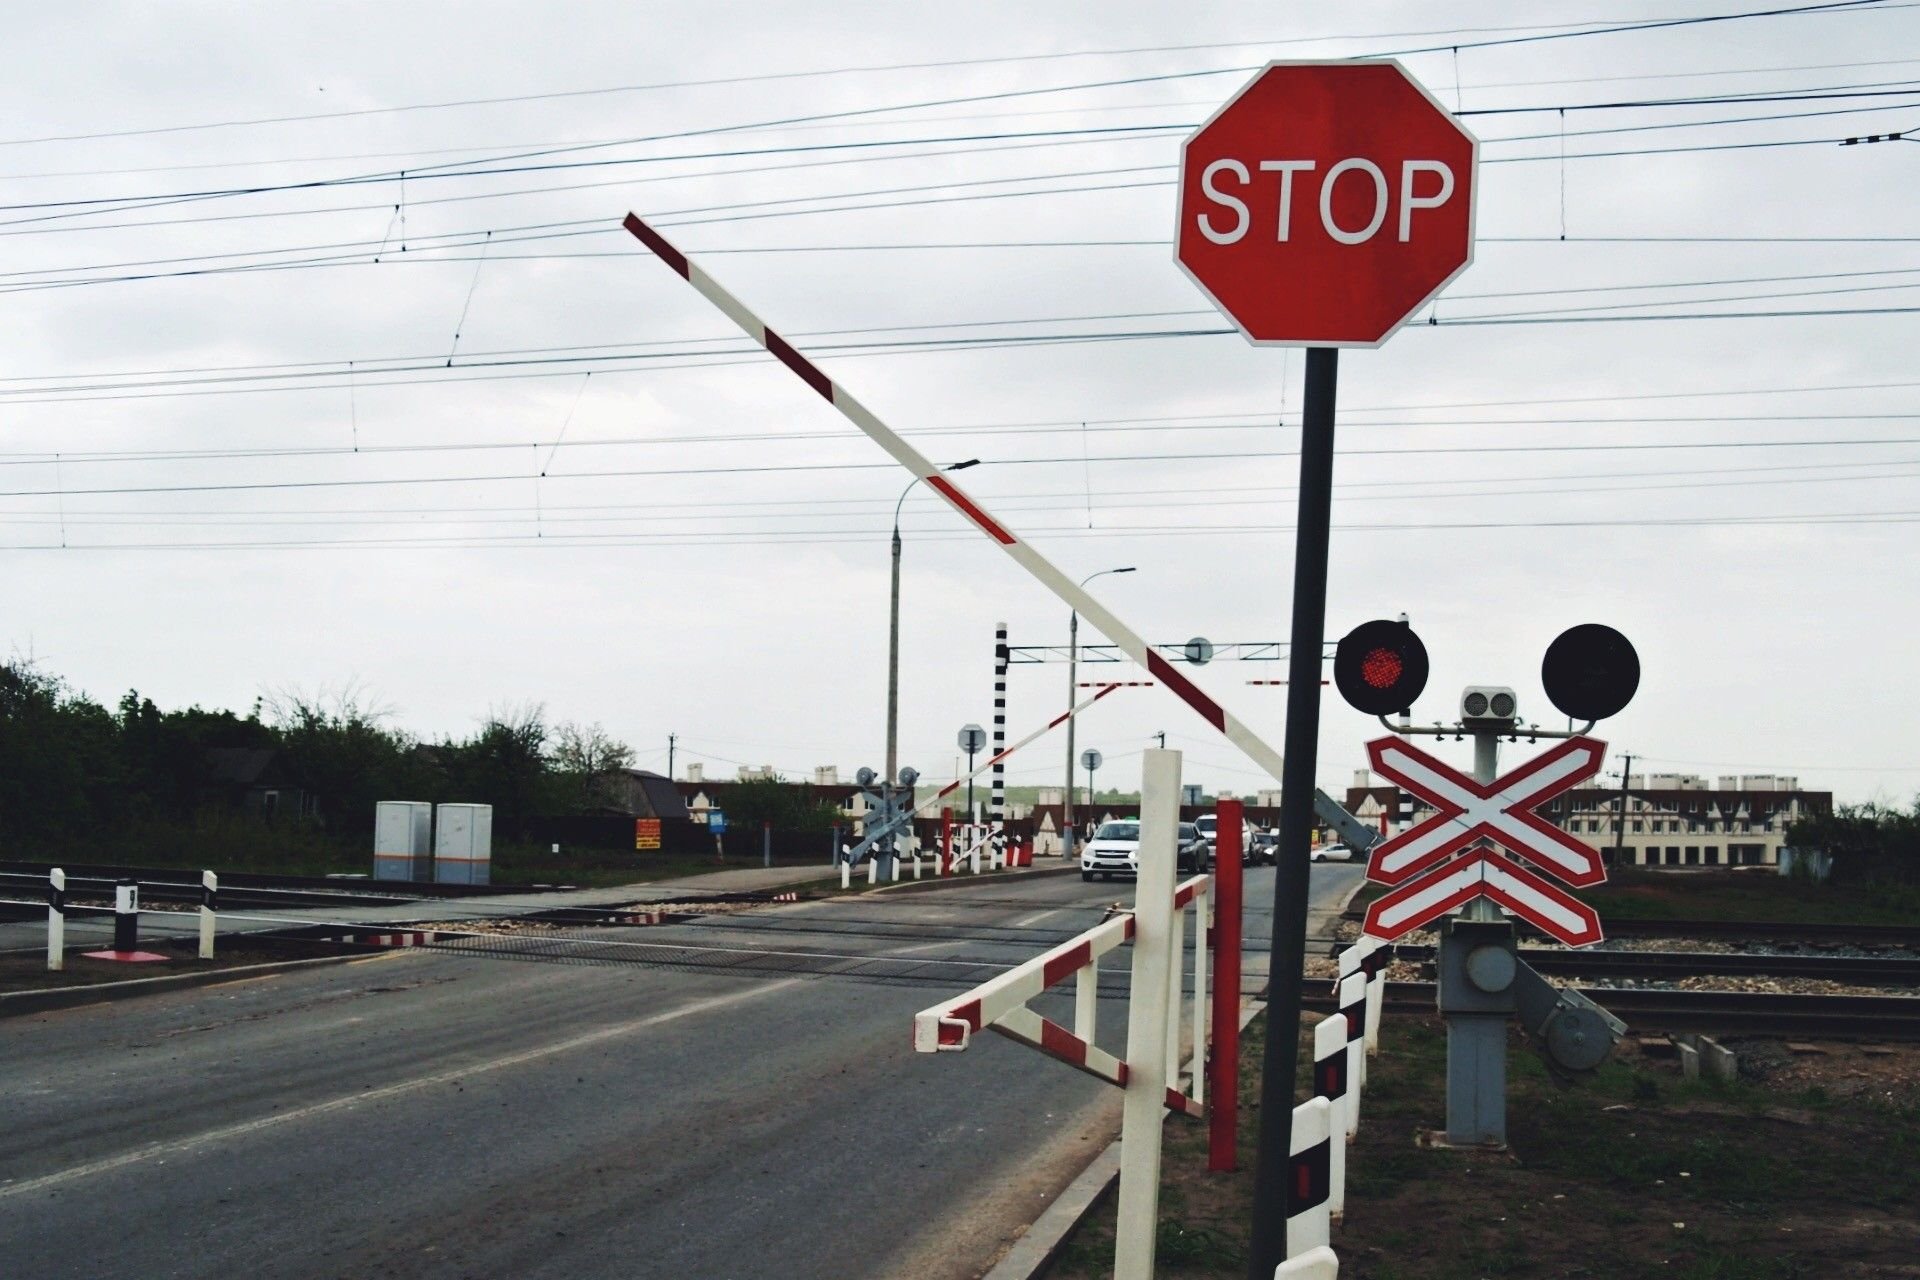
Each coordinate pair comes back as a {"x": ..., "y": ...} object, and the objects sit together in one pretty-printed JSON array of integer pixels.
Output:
[{"x": 1115, "y": 847}]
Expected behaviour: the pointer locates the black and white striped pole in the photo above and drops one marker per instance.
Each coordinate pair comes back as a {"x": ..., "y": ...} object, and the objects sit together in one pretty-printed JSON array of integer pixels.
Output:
[
  {"x": 1333, "y": 1080},
  {"x": 126, "y": 916},
  {"x": 209, "y": 905},
  {"x": 56, "y": 920}
]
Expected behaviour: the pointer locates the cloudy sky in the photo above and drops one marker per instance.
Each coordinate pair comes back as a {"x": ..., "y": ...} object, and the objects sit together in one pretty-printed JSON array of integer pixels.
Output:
[{"x": 277, "y": 416}]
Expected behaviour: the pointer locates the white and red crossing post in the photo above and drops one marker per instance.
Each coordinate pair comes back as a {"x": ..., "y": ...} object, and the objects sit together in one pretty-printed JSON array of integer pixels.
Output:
[
  {"x": 1156, "y": 967},
  {"x": 56, "y": 920}
]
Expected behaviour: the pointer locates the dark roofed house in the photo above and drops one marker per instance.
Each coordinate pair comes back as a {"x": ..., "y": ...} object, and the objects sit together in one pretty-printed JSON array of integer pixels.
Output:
[
  {"x": 645, "y": 794},
  {"x": 256, "y": 780}
]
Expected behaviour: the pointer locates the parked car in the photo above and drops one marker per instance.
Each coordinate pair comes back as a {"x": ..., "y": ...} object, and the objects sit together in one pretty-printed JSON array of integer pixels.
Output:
[
  {"x": 1333, "y": 853},
  {"x": 1115, "y": 850},
  {"x": 1265, "y": 847},
  {"x": 1195, "y": 850},
  {"x": 1208, "y": 825}
]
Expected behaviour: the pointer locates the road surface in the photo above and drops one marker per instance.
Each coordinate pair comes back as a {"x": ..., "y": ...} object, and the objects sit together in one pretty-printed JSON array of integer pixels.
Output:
[{"x": 444, "y": 1115}]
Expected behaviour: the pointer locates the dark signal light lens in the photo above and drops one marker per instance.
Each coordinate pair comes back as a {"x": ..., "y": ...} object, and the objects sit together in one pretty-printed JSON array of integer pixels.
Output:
[
  {"x": 1590, "y": 672},
  {"x": 1380, "y": 667}
]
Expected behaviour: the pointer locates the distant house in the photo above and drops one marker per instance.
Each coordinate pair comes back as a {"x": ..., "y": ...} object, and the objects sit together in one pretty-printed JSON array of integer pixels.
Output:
[
  {"x": 644, "y": 794},
  {"x": 256, "y": 780},
  {"x": 1670, "y": 819},
  {"x": 702, "y": 794}
]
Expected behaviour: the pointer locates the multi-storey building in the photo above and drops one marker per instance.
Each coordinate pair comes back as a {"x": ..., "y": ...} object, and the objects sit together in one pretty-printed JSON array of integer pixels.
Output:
[{"x": 1670, "y": 820}]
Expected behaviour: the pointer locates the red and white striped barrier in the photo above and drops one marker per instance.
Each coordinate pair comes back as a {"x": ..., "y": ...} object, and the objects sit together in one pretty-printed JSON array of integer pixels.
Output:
[
  {"x": 1000, "y": 757},
  {"x": 1150, "y": 1071},
  {"x": 406, "y": 938},
  {"x": 1125, "y": 638}
]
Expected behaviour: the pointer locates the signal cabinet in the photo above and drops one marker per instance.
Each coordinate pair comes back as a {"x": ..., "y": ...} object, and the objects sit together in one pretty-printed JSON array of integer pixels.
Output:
[
  {"x": 463, "y": 844},
  {"x": 402, "y": 840}
]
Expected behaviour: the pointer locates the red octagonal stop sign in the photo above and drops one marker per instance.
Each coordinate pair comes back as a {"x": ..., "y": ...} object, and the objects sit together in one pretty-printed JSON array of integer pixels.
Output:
[{"x": 1326, "y": 203}]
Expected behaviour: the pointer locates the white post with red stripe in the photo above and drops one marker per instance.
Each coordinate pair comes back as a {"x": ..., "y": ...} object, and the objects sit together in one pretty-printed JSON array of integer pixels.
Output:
[
  {"x": 1319, "y": 1263},
  {"x": 1309, "y": 1152},
  {"x": 209, "y": 903},
  {"x": 1369, "y": 956},
  {"x": 1333, "y": 1080},
  {"x": 1352, "y": 999},
  {"x": 1125, "y": 638},
  {"x": 1154, "y": 954},
  {"x": 1086, "y": 1000},
  {"x": 56, "y": 920}
]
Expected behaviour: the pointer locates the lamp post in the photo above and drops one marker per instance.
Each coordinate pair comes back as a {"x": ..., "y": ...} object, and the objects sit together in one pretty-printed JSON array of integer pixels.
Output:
[
  {"x": 893, "y": 629},
  {"x": 1073, "y": 696}
]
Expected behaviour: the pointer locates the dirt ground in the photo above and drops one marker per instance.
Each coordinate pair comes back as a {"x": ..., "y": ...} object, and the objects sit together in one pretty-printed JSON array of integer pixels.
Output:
[{"x": 1807, "y": 1166}]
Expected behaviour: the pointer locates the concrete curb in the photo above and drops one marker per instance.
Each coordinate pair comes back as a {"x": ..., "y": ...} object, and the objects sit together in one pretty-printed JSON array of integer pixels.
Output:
[
  {"x": 1035, "y": 1251},
  {"x": 13, "y": 1004}
]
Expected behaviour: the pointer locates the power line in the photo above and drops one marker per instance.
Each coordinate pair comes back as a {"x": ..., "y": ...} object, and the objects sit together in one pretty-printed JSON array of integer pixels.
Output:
[
  {"x": 861, "y": 536},
  {"x": 1546, "y": 31},
  {"x": 769, "y": 468}
]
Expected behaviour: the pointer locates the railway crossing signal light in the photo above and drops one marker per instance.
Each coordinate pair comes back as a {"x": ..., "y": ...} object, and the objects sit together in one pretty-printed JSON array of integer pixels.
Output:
[
  {"x": 1380, "y": 667},
  {"x": 1590, "y": 671}
]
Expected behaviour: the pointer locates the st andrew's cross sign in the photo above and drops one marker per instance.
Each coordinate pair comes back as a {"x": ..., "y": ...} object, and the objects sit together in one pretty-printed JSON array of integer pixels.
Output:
[{"x": 1427, "y": 885}]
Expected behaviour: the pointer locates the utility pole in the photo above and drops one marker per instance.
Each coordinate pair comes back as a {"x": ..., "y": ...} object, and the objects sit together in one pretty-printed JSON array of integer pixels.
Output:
[
  {"x": 1162, "y": 735},
  {"x": 1620, "y": 818},
  {"x": 1073, "y": 696},
  {"x": 670, "y": 739}
]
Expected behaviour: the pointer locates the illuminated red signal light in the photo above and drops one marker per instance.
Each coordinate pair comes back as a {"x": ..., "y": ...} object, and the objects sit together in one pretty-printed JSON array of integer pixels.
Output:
[{"x": 1380, "y": 667}]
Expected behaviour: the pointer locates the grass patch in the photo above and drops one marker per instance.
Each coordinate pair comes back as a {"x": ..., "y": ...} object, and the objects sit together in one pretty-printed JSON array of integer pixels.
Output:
[{"x": 1632, "y": 1172}]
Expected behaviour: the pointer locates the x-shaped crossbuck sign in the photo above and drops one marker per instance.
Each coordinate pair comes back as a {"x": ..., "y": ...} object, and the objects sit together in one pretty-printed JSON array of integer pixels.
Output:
[{"x": 1501, "y": 810}]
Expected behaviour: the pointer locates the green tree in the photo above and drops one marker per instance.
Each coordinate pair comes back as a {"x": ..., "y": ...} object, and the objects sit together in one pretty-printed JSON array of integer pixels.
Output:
[
  {"x": 1870, "y": 843},
  {"x": 789, "y": 807},
  {"x": 340, "y": 750},
  {"x": 589, "y": 760}
]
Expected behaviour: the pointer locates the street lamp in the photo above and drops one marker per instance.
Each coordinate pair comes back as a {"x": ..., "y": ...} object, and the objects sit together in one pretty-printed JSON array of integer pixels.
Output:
[
  {"x": 1073, "y": 696},
  {"x": 893, "y": 634}
]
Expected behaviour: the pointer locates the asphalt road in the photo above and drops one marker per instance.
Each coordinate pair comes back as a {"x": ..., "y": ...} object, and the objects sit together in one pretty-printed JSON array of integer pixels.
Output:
[{"x": 444, "y": 1115}]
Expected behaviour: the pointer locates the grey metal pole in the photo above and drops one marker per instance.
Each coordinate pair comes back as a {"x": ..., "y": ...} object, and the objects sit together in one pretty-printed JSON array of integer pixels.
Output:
[
  {"x": 1073, "y": 690},
  {"x": 1476, "y": 1042},
  {"x": 970, "y": 754},
  {"x": 1291, "y": 880},
  {"x": 893, "y": 655},
  {"x": 1620, "y": 818}
]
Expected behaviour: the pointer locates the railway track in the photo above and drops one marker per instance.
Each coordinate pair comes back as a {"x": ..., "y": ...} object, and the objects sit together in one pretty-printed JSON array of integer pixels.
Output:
[
  {"x": 170, "y": 889},
  {"x": 327, "y": 890},
  {"x": 1744, "y": 1012},
  {"x": 1874, "y": 970}
]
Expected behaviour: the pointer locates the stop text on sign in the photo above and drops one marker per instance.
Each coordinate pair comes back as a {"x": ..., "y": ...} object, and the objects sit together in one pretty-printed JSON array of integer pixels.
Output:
[
  {"x": 1233, "y": 219},
  {"x": 1325, "y": 203}
]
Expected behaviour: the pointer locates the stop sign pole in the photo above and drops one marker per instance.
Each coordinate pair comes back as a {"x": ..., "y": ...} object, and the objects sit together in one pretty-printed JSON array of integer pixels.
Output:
[{"x": 1321, "y": 207}]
